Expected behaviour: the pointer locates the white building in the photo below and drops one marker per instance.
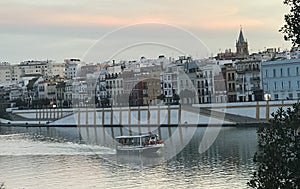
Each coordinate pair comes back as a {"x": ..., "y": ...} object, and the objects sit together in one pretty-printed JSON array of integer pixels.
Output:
[
  {"x": 209, "y": 69},
  {"x": 171, "y": 79},
  {"x": 15, "y": 93},
  {"x": 281, "y": 79},
  {"x": 248, "y": 82},
  {"x": 5, "y": 73},
  {"x": 79, "y": 93},
  {"x": 71, "y": 68},
  {"x": 16, "y": 73},
  {"x": 192, "y": 80},
  {"x": 68, "y": 93},
  {"x": 34, "y": 68},
  {"x": 56, "y": 69}
]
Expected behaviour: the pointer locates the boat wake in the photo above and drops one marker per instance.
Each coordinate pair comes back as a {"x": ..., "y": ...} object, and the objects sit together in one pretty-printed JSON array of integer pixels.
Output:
[{"x": 22, "y": 145}]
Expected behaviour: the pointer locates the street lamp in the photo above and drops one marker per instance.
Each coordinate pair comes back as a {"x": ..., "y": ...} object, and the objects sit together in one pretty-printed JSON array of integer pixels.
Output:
[{"x": 267, "y": 97}]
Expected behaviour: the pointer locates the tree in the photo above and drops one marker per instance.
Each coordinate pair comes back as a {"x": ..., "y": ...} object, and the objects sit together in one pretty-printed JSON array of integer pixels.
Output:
[
  {"x": 176, "y": 98},
  {"x": 20, "y": 103},
  {"x": 291, "y": 28},
  {"x": 161, "y": 97},
  {"x": 278, "y": 156},
  {"x": 40, "y": 102}
]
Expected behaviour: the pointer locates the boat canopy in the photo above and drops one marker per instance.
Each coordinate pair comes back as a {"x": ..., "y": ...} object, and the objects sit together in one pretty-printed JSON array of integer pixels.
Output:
[{"x": 135, "y": 136}]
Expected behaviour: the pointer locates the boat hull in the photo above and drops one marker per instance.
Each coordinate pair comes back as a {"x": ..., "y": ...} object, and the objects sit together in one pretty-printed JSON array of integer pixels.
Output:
[{"x": 139, "y": 150}]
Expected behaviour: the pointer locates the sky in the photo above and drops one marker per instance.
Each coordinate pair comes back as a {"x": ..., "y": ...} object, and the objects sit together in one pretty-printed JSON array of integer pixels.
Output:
[{"x": 102, "y": 30}]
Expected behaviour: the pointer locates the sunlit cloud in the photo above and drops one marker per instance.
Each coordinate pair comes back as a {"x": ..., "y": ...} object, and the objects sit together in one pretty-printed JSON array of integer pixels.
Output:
[{"x": 217, "y": 21}]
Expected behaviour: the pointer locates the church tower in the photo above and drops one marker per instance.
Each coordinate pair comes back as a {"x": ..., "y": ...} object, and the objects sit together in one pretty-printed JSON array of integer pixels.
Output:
[{"x": 242, "y": 46}]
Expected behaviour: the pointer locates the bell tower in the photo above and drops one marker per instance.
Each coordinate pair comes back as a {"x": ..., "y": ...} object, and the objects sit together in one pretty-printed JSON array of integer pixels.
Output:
[{"x": 242, "y": 46}]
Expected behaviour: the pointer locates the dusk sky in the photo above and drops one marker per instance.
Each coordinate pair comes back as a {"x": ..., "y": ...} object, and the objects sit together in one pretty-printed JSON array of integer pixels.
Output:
[{"x": 59, "y": 29}]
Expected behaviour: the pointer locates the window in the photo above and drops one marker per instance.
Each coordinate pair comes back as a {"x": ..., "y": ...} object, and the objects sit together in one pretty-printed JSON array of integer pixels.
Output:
[
  {"x": 274, "y": 73},
  {"x": 298, "y": 94},
  {"x": 290, "y": 86},
  {"x": 266, "y": 73},
  {"x": 291, "y": 96},
  {"x": 288, "y": 71},
  {"x": 275, "y": 86},
  {"x": 276, "y": 96},
  {"x": 282, "y": 85},
  {"x": 297, "y": 71},
  {"x": 298, "y": 84},
  {"x": 281, "y": 72}
]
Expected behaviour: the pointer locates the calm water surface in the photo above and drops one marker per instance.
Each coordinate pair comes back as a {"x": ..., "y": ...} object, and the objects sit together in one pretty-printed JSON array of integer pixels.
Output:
[{"x": 59, "y": 158}]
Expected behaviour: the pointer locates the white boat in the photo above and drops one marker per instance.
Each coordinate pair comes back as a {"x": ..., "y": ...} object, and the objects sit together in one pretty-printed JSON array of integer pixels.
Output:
[{"x": 148, "y": 143}]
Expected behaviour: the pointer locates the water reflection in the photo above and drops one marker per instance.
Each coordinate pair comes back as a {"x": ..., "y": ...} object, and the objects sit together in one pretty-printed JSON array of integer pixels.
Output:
[
  {"x": 67, "y": 157},
  {"x": 233, "y": 144}
]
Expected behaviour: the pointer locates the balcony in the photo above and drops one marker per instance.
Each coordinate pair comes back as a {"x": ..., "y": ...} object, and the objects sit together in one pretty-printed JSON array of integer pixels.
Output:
[
  {"x": 240, "y": 71},
  {"x": 231, "y": 90},
  {"x": 255, "y": 79},
  {"x": 231, "y": 79},
  {"x": 255, "y": 89},
  {"x": 241, "y": 80}
]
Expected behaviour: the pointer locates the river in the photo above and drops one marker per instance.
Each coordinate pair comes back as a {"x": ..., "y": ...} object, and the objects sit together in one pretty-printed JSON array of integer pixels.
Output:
[{"x": 80, "y": 158}]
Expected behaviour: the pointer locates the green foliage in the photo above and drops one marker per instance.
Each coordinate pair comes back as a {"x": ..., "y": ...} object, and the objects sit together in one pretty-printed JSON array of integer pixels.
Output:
[
  {"x": 278, "y": 157},
  {"x": 20, "y": 103},
  {"x": 161, "y": 97},
  {"x": 41, "y": 103},
  {"x": 176, "y": 97},
  {"x": 4, "y": 115},
  {"x": 31, "y": 83},
  {"x": 291, "y": 28}
]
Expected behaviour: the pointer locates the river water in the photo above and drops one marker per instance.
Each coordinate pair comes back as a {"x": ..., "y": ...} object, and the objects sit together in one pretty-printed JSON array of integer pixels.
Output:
[{"x": 70, "y": 158}]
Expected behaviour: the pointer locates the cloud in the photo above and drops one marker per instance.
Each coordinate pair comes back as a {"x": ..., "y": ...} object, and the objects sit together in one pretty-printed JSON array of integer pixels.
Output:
[
  {"x": 213, "y": 14},
  {"x": 217, "y": 21}
]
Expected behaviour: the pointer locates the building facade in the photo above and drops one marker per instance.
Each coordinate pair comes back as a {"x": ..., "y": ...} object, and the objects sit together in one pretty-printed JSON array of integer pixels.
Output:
[
  {"x": 229, "y": 73},
  {"x": 5, "y": 73},
  {"x": 281, "y": 79},
  {"x": 34, "y": 68},
  {"x": 56, "y": 69},
  {"x": 248, "y": 81},
  {"x": 71, "y": 68}
]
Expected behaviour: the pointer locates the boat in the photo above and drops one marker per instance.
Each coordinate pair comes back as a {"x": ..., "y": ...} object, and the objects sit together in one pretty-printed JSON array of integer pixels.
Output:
[{"x": 139, "y": 144}]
